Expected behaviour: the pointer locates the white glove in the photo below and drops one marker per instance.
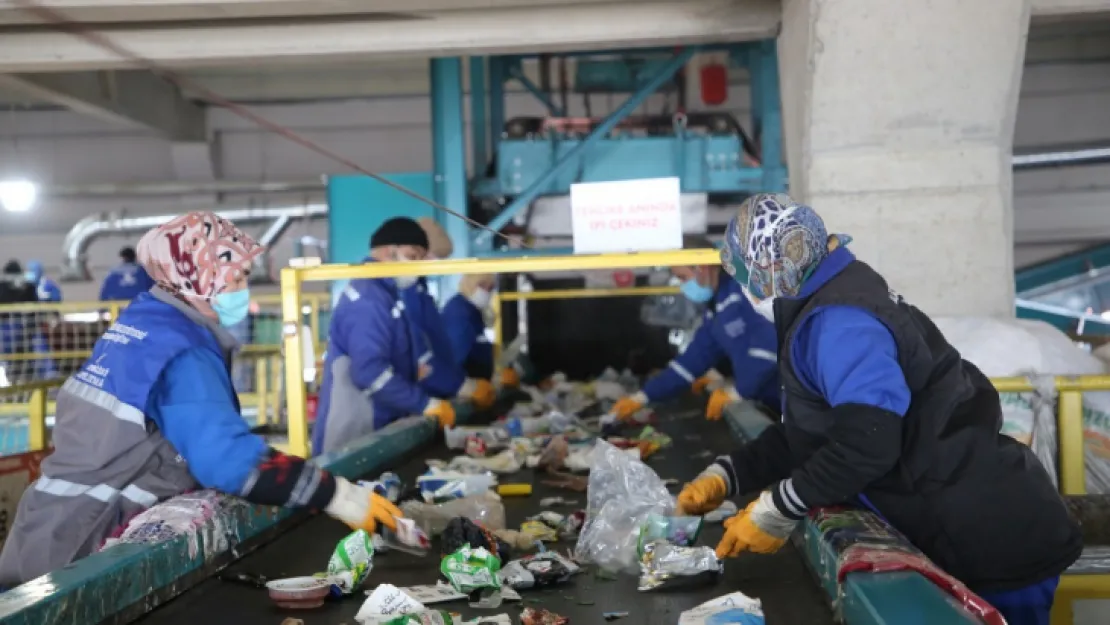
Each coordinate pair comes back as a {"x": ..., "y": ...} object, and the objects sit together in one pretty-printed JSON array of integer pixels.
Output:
[
  {"x": 717, "y": 381},
  {"x": 466, "y": 391},
  {"x": 360, "y": 507}
]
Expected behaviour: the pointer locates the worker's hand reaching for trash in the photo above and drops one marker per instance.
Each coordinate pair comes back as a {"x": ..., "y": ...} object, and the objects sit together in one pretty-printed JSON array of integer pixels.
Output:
[
  {"x": 479, "y": 392},
  {"x": 718, "y": 399},
  {"x": 509, "y": 378},
  {"x": 711, "y": 381},
  {"x": 759, "y": 528},
  {"x": 628, "y": 406},
  {"x": 442, "y": 411},
  {"x": 361, "y": 508},
  {"x": 705, "y": 494}
]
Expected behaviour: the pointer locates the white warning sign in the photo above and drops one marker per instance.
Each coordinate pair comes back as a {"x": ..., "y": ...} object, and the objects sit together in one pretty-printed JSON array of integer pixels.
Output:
[{"x": 626, "y": 216}]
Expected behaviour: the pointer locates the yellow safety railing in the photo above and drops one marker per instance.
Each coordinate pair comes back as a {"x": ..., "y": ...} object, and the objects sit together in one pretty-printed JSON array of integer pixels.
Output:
[
  {"x": 33, "y": 398},
  {"x": 293, "y": 279},
  {"x": 1069, "y": 416},
  {"x": 37, "y": 408},
  {"x": 1073, "y": 476}
]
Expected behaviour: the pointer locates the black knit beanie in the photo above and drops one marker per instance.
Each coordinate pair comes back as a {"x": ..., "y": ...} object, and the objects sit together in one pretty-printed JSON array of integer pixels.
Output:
[{"x": 399, "y": 231}]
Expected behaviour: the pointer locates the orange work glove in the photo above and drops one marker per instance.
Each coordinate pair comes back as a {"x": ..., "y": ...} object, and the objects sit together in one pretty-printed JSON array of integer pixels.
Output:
[
  {"x": 510, "y": 378},
  {"x": 628, "y": 406},
  {"x": 759, "y": 528},
  {"x": 483, "y": 394},
  {"x": 442, "y": 411},
  {"x": 700, "y": 384},
  {"x": 705, "y": 494},
  {"x": 718, "y": 399},
  {"x": 361, "y": 508}
]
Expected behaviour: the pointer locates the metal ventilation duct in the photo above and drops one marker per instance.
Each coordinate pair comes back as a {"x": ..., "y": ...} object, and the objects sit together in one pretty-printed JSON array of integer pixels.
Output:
[
  {"x": 1063, "y": 156},
  {"x": 84, "y": 232}
]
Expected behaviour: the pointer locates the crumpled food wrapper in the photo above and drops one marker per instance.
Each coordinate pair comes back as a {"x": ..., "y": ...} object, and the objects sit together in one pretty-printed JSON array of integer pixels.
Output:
[
  {"x": 664, "y": 565},
  {"x": 732, "y": 609},
  {"x": 470, "y": 569},
  {"x": 351, "y": 561},
  {"x": 385, "y": 603}
]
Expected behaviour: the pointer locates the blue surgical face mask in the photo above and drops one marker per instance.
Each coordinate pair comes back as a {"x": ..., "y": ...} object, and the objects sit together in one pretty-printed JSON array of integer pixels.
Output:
[
  {"x": 232, "y": 307},
  {"x": 695, "y": 292}
]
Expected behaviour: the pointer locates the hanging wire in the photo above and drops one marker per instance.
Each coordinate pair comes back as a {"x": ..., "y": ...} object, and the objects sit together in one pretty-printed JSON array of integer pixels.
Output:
[{"x": 62, "y": 22}]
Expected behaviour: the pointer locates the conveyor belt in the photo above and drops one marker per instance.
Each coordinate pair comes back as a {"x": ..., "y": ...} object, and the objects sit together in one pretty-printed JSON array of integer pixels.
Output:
[{"x": 781, "y": 581}]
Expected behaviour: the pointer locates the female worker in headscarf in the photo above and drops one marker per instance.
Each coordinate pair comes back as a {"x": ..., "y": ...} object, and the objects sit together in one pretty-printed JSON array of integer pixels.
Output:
[
  {"x": 880, "y": 411},
  {"x": 464, "y": 318},
  {"x": 444, "y": 377},
  {"x": 152, "y": 413}
]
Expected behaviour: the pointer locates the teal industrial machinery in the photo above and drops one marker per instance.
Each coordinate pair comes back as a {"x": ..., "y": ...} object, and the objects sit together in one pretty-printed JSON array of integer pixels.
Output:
[
  {"x": 709, "y": 153},
  {"x": 1070, "y": 291},
  {"x": 519, "y": 160}
]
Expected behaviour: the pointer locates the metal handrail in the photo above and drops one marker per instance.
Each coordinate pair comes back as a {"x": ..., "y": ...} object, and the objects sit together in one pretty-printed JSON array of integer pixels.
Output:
[{"x": 266, "y": 396}]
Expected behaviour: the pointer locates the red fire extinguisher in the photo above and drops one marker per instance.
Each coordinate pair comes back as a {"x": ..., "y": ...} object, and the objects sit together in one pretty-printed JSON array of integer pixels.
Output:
[
  {"x": 310, "y": 404},
  {"x": 714, "y": 82}
]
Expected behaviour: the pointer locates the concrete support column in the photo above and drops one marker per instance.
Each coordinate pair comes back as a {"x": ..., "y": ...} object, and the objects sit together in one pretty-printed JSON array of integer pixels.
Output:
[{"x": 899, "y": 120}]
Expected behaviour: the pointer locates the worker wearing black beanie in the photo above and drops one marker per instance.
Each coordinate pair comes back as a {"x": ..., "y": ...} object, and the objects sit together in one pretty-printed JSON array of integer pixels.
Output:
[
  {"x": 399, "y": 240},
  {"x": 376, "y": 353},
  {"x": 399, "y": 231}
]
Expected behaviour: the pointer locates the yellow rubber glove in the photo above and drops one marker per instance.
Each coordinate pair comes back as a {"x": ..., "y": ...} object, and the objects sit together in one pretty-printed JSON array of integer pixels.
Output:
[
  {"x": 628, "y": 406},
  {"x": 759, "y": 528},
  {"x": 510, "y": 378},
  {"x": 478, "y": 392},
  {"x": 718, "y": 399},
  {"x": 711, "y": 381},
  {"x": 484, "y": 395},
  {"x": 442, "y": 411},
  {"x": 705, "y": 494},
  {"x": 361, "y": 508}
]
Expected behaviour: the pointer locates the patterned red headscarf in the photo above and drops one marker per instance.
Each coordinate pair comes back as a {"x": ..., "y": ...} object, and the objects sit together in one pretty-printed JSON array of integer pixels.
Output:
[{"x": 196, "y": 256}]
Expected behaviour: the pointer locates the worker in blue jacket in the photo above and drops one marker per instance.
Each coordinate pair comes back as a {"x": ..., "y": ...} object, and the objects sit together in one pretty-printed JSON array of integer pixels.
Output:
[
  {"x": 47, "y": 289},
  {"x": 371, "y": 370},
  {"x": 153, "y": 414},
  {"x": 443, "y": 376},
  {"x": 464, "y": 317},
  {"x": 126, "y": 280},
  {"x": 882, "y": 412},
  {"x": 731, "y": 329}
]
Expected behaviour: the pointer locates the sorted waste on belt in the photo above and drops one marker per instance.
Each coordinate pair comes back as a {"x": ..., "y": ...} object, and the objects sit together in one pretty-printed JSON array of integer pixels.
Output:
[
  {"x": 626, "y": 527},
  {"x": 462, "y": 532},
  {"x": 731, "y": 609},
  {"x": 351, "y": 561},
  {"x": 470, "y": 569},
  {"x": 667, "y": 566}
]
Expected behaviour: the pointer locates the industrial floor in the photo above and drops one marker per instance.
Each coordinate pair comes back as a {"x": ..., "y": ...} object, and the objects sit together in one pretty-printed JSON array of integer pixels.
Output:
[{"x": 781, "y": 581}]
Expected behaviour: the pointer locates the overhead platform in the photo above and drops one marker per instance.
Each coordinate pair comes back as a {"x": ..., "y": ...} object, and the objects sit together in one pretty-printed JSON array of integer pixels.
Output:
[{"x": 527, "y": 27}]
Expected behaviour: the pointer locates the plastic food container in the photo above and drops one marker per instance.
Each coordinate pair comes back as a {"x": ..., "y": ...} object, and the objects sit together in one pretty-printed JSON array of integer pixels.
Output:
[{"x": 298, "y": 593}]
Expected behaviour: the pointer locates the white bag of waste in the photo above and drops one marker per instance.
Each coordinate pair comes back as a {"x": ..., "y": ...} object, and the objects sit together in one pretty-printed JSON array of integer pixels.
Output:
[{"x": 1034, "y": 349}]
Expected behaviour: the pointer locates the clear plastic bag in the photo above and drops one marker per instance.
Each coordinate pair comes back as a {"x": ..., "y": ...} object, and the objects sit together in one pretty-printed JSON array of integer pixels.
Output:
[
  {"x": 485, "y": 509},
  {"x": 623, "y": 492}
]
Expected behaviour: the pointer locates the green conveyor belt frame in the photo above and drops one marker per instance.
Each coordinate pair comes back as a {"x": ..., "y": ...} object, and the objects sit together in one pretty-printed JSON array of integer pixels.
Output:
[
  {"x": 123, "y": 582},
  {"x": 902, "y": 598}
]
